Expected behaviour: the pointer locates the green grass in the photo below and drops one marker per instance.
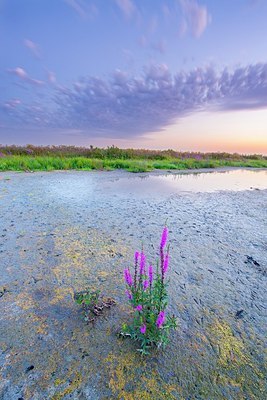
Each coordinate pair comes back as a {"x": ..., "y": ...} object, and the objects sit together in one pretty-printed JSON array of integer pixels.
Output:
[{"x": 51, "y": 163}]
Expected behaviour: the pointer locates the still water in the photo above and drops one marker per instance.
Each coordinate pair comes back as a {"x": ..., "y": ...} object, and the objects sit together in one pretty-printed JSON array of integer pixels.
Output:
[{"x": 236, "y": 180}]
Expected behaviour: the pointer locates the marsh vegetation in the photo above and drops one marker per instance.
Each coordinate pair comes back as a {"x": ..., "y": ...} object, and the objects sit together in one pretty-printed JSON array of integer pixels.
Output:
[{"x": 49, "y": 158}]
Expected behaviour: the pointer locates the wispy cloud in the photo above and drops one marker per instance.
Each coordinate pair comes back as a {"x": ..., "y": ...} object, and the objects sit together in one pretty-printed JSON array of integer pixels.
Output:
[
  {"x": 130, "y": 106},
  {"x": 159, "y": 46},
  {"x": 182, "y": 28},
  {"x": 22, "y": 74},
  {"x": 127, "y": 7},
  {"x": 195, "y": 17},
  {"x": 51, "y": 77},
  {"x": 33, "y": 47},
  {"x": 166, "y": 11},
  {"x": 11, "y": 104},
  {"x": 82, "y": 8}
]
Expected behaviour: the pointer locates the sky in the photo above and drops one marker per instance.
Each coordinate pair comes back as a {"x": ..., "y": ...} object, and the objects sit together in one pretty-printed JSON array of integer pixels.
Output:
[{"x": 184, "y": 74}]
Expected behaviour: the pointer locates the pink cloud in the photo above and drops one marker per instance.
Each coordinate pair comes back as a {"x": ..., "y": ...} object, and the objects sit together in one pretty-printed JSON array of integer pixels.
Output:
[
  {"x": 12, "y": 103},
  {"x": 51, "y": 77},
  {"x": 196, "y": 16},
  {"x": 82, "y": 8},
  {"x": 19, "y": 72},
  {"x": 22, "y": 74},
  {"x": 33, "y": 47}
]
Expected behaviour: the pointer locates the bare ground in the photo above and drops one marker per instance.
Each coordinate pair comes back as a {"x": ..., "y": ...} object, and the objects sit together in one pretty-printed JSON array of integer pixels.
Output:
[{"x": 61, "y": 232}]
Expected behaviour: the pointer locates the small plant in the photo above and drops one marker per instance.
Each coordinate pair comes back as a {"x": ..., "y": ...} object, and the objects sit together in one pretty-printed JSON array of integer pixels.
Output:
[
  {"x": 147, "y": 294},
  {"x": 91, "y": 303}
]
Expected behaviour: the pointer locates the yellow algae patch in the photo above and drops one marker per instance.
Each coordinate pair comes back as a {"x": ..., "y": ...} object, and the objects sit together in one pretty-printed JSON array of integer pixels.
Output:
[
  {"x": 42, "y": 329},
  {"x": 41, "y": 325},
  {"x": 83, "y": 256},
  {"x": 131, "y": 379},
  {"x": 153, "y": 389},
  {"x": 73, "y": 385},
  {"x": 71, "y": 245},
  {"x": 74, "y": 252},
  {"x": 235, "y": 366},
  {"x": 53, "y": 363},
  {"x": 231, "y": 349},
  {"x": 58, "y": 382},
  {"x": 60, "y": 294},
  {"x": 103, "y": 274},
  {"x": 121, "y": 371},
  {"x": 25, "y": 301}
]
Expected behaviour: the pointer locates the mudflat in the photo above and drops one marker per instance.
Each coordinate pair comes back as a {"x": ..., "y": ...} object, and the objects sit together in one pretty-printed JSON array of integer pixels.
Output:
[{"x": 63, "y": 232}]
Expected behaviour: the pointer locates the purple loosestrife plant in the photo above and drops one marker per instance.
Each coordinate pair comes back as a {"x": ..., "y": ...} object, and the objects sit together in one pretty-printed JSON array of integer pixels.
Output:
[
  {"x": 136, "y": 258},
  {"x": 165, "y": 263},
  {"x": 142, "y": 264},
  {"x": 129, "y": 295},
  {"x": 145, "y": 285},
  {"x": 143, "y": 329},
  {"x": 160, "y": 319},
  {"x": 128, "y": 277},
  {"x": 147, "y": 294},
  {"x": 164, "y": 237},
  {"x": 150, "y": 274}
]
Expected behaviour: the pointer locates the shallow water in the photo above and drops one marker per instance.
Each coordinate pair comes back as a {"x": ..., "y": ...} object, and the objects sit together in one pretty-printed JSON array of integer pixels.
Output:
[
  {"x": 78, "y": 187},
  {"x": 235, "y": 180}
]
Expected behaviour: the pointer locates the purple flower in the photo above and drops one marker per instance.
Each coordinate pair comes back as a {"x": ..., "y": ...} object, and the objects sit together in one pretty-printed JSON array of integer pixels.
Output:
[
  {"x": 150, "y": 274},
  {"x": 143, "y": 329},
  {"x": 129, "y": 295},
  {"x": 164, "y": 237},
  {"x": 160, "y": 319},
  {"x": 142, "y": 263},
  {"x": 128, "y": 277},
  {"x": 145, "y": 284},
  {"x": 136, "y": 256},
  {"x": 166, "y": 263},
  {"x": 139, "y": 307}
]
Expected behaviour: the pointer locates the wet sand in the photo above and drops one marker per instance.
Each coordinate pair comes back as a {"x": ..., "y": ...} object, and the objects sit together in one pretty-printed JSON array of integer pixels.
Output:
[{"x": 61, "y": 232}]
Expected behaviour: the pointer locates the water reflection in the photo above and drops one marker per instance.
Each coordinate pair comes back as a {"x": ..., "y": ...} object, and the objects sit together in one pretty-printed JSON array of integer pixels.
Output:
[{"x": 174, "y": 182}]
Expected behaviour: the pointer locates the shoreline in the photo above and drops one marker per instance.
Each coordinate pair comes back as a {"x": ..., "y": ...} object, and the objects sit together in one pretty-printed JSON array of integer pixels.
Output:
[{"x": 154, "y": 172}]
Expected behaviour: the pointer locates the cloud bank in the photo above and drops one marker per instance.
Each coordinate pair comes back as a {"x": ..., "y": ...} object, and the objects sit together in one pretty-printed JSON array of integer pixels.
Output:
[{"x": 125, "y": 106}]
